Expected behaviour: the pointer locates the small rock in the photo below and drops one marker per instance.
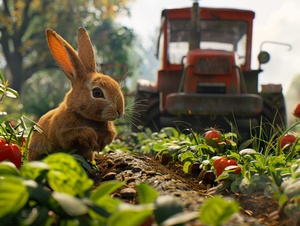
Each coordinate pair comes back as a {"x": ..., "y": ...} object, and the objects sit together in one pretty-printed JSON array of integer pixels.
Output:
[
  {"x": 128, "y": 193},
  {"x": 165, "y": 159},
  {"x": 194, "y": 169},
  {"x": 109, "y": 176},
  {"x": 121, "y": 164},
  {"x": 130, "y": 179},
  {"x": 150, "y": 173},
  {"x": 136, "y": 169},
  {"x": 110, "y": 162}
]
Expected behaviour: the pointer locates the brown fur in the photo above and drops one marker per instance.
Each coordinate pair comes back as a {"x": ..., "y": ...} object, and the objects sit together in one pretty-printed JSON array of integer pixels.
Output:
[{"x": 81, "y": 123}]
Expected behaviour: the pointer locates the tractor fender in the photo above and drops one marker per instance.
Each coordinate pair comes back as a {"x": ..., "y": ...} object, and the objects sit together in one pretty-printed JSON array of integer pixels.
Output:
[{"x": 146, "y": 86}]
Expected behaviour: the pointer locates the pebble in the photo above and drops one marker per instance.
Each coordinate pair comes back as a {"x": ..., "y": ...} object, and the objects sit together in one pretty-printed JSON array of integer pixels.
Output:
[
  {"x": 109, "y": 176},
  {"x": 150, "y": 173},
  {"x": 128, "y": 193},
  {"x": 136, "y": 169}
]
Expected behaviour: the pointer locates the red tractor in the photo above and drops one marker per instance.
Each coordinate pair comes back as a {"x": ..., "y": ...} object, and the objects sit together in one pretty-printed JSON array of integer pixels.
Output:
[{"x": 206, "y": 78}]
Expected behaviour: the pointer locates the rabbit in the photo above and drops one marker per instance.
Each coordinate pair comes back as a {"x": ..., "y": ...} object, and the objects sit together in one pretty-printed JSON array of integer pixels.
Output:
[{"x": 82, "y": 123}]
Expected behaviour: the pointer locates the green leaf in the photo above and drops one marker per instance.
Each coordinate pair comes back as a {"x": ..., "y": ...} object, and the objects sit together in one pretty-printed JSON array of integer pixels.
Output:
[
  {"x": 66, "y": 175},
  {"x": 276, "y": 161},
  {"x": 275, "y": 174},
  {"x": 129, "y": 217},
  {"x": 35, "y": 216},
  {"x": 8, "y": 169},
  {"x": 217, "y": 210},
  {"x": 247, "y": 151},
  {"x": 180, "y": 218},
  {"x": 106, "y": 189},
  {"x": 204, "y": 148},
  {"x": 291, "y": 188},
  {"x": 71, "y": 205},
  {"x": 171, "y": 131},
  {"x": 235, "y": 186},
  {"x": 165, "y": 207},
  {"x": 159, "y": 146},
  {"x": 97, "y": 210},
  {"x": 2, "y": 79},
  {"x": 246, "y": 144},
  {"x": 13, "y": 197},
  {"x": 34, "y": 170},
  {"x": 188, "y": 155},
  {"x": 11, "y": 93},
  {"x": 186, "y": 166},
  {"x": 246, "y": 187},
  {"x": 105, "y": 206},
  {"x": 282, "y": 200},
  {"x": 38, "y": 193},
  {"x": 147, "y": 194},
  {"x": 83, "y": 163},
  {"x": 212, "y": 143},
  {"x": 173, "y": 148}
]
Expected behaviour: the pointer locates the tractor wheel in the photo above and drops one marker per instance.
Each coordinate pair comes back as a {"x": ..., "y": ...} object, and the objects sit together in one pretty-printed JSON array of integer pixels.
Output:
[
  {"x": 146, "y": 111},
  {"x": 274, "y": 116}
]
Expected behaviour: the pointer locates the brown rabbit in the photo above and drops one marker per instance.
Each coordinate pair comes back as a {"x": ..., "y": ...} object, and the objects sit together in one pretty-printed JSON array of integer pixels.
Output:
[{"x": 83, "y": 121}]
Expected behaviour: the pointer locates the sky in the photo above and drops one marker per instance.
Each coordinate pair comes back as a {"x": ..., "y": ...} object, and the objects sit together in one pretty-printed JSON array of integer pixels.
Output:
[{"x": 275, "y": 20}]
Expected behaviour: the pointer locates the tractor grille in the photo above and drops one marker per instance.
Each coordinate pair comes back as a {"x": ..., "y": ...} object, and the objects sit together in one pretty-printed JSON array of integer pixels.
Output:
[
  {"x": 212, "y": 66},
  {"x": 210, "y": 87}
]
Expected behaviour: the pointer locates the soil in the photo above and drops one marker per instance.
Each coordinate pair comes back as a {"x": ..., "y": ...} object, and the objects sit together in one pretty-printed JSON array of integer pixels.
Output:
[{"x": 169, "y": 179}]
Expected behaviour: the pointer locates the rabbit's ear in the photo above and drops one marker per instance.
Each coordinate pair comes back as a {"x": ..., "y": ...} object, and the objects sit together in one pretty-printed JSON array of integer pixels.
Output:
[
  {"x": 85, "y": 50},
  {"x": 65, "y": 56}
]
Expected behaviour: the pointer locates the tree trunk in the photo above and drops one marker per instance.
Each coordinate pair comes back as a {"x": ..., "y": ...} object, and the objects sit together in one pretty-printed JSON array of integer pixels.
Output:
[{"x": 15, "y": 65}]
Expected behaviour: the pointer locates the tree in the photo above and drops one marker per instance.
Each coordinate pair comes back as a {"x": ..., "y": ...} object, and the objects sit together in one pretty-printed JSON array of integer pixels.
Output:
[{"x": 23, "y": 23}]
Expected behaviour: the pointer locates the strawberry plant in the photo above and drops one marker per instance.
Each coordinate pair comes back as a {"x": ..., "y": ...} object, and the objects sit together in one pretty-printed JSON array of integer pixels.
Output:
[
  {"x": 296, "y": 112},
  {"x": 213, "y": 134},
  {"x": 257, "y": 165},
  {"x": 5, "y": 90},
  {"x": 12, "y": 135},
  {"x": 10, "y": 152},
  {"x": 57, "y": 191},
  {"x": 287, "y": 140},
  {"x": 217, "y": 210},
  {"x": 220, "y": 164},
  {"x": 59, "y": 185}
]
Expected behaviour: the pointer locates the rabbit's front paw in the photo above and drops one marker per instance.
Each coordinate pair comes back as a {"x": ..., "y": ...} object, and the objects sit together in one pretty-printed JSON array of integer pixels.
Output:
[
  {"x": 106, "y": 138},
  {"x": 88, "y": 139}
]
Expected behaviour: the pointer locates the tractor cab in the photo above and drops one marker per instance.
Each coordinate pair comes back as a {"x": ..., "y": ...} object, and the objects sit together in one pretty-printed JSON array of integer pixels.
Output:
[
  {"x": 223, "y": 41},
  {"x": 206, "y": 78}
]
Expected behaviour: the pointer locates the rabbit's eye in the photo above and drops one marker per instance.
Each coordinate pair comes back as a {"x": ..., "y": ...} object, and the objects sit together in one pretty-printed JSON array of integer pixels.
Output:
[{"x": 98, "y": 93}]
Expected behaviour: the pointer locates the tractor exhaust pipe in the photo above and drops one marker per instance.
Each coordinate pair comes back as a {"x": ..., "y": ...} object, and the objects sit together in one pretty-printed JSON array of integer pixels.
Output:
[{"x": 194, "y": 38}]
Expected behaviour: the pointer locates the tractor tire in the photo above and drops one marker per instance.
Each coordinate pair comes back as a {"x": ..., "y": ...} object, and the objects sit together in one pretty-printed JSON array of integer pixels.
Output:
[
  {"x": 147, "y": 111},
  {"x": 274, "y": 117}
]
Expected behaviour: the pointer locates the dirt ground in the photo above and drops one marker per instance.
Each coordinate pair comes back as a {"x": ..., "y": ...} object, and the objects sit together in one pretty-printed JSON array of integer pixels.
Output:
[{"x": 169, "y": 179}]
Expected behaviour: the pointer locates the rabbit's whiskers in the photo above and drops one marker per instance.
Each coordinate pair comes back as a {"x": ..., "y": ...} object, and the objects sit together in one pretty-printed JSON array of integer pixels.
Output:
[{"x": 132, "y": 111}]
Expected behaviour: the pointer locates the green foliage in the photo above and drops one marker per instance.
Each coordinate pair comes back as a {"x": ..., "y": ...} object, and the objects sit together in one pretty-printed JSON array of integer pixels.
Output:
[
  {"x": 166, "y": 207},
  {"x": 216, "y": 210},
  {"x": 146, "y": 193},
  {"x": 65, "y": 175},
  {"x": 57, "y": 184},
  {"x": 23, "y": 39},
  {"x": 13, "y": 195},
  {"x": 5, "y": 90},
  {"x": 44, "y": 91},
  {"x": 265, "y": 166}
]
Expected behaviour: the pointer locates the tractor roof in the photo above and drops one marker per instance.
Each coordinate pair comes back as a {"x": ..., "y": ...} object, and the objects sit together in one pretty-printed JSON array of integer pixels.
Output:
[{"x": 210, "y": 13}]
